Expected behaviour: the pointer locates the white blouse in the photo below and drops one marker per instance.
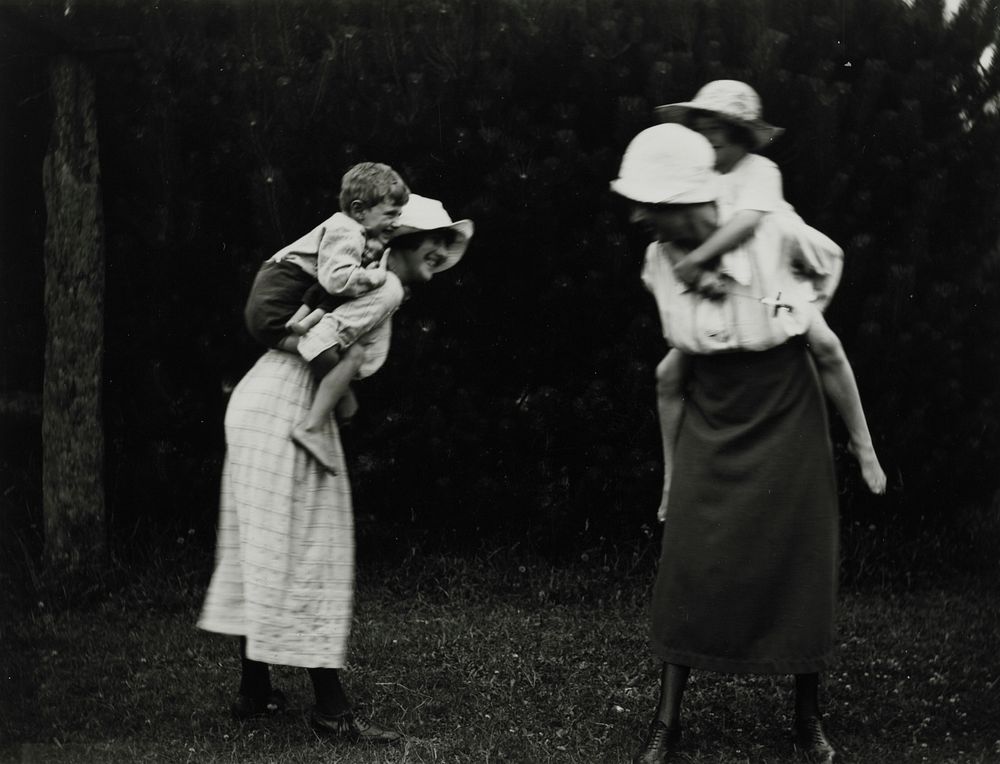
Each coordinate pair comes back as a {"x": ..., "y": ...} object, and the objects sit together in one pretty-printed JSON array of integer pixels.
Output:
[{"x": 791, "y": 266}]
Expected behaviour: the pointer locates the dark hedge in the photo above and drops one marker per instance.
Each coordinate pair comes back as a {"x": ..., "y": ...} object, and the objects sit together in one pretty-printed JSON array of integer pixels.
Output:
[{"x": 518, "y": 400}]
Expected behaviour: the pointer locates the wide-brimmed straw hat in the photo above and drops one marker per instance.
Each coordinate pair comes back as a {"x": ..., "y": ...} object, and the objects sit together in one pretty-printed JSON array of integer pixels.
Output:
[
  {"x": 668, "y": 164},
  {"x": 729, "y": 100},
  {"x": 421, "y": 215}
]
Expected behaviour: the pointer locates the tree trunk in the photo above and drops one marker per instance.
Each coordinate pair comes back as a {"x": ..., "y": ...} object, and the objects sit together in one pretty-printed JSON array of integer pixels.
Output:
[{"x": 72, "y": 433}]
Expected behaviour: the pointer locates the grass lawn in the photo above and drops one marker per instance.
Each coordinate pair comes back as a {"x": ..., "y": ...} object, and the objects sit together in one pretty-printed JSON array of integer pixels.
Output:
[{"x": 490, "y": 658}]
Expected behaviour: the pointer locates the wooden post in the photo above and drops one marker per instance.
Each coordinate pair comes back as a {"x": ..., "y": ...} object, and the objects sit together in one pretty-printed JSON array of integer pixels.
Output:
[{"x": 72, "y": 431}]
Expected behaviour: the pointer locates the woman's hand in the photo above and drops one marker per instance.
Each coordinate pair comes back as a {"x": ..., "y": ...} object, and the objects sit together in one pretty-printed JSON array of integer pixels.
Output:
[
  {"x": 289, "y": 343},
  {"x": 304, "y": 319}
]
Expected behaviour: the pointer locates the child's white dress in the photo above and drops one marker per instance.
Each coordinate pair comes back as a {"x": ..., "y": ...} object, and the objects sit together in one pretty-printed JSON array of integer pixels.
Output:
[{"x": 754, "y": 183}]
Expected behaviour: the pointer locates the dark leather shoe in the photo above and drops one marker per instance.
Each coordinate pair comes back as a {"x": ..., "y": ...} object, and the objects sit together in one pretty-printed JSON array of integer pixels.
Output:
[
  {"x": 661, "y": 741},
  {"x": 245, "y": 707},
  {"x": 811, "y": 742},
  {"x": 350, "y": 727}
]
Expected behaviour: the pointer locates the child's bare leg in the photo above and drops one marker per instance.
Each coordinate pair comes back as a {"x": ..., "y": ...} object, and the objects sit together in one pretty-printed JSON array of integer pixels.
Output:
[
  {"x": 841, "y": 387},
  {"x": 333, "y": 385},
  {"x": 670, "y": 406}
]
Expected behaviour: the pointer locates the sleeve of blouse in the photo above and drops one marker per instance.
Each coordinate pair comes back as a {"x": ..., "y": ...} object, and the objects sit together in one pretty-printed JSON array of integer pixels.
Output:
[
  {"x": 818, "y": 259},
  {"x": 376, "y": 344},
  {"x": 352, "y": 320}
]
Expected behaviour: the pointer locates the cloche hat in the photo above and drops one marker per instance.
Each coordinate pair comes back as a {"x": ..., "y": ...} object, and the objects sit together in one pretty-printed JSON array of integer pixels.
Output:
[
  {"x": 729, "y": 100},
  {"x": 421, "y": 214},
  {"x": 668, "y": 164}
]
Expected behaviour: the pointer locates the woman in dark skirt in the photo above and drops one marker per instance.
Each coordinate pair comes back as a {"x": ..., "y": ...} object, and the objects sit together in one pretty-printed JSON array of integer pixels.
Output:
[
  {"x": 748, "y": 569},
  {"x": 747, "y": 577}
]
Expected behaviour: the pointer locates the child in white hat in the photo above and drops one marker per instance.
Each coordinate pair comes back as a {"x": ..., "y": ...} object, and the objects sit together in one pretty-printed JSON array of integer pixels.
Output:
[
  {"x": 728, "y": 114},
  {"x": 820, "y": 257}
]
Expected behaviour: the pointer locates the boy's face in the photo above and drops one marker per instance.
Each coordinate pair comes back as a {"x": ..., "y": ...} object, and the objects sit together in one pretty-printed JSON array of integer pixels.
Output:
[
  {"x": 379, "y": 220},
  {"x": 417, "y": 266},
  {"x": 720, "y": 134}
]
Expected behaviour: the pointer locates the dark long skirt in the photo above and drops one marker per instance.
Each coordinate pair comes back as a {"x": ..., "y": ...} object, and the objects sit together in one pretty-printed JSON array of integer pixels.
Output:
[{"x": 747, "y": 578}]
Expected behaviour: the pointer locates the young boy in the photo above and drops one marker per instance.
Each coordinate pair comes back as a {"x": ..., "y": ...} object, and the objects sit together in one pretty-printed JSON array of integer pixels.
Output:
[
  {"x": 728, "y": 114},
  {"x": 340, "y": 260}
]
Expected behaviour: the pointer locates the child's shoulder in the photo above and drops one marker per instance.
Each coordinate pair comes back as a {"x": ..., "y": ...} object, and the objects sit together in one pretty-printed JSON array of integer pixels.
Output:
[
  {"x": 343, "y": 230},
  {"x": 339, "y": 220}
]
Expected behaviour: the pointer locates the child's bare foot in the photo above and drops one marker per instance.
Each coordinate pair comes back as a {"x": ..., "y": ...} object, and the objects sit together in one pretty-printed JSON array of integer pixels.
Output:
[
  {"x": 316, "y": 444},
  {"x": 871, "y": 470}
]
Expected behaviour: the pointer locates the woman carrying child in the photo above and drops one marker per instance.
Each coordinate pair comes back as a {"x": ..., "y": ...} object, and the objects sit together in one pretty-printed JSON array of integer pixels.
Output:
[
  {"x": 284, "y": 575},
  {"x": 747, "y": 577},
  {"x": 339, "y": 260},
  {"x": 728, "y": 114}
]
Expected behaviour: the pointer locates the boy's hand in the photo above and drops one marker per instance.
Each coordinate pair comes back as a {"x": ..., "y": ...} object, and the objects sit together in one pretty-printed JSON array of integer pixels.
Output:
[
  {"x": 373, "y": 253},
  {"x": 289, "y": 343}
]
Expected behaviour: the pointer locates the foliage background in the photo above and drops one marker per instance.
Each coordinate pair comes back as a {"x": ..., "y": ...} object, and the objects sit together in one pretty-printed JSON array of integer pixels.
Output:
[{"x": 518, "y": 400}]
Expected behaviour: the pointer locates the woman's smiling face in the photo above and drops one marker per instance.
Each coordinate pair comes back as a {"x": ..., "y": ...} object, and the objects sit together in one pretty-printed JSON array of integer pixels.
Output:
[{"x": 418, "y": 265}]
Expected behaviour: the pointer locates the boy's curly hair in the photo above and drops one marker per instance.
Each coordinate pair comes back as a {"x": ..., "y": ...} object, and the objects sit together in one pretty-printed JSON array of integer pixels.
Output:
[{"x": 372, "y": 183}]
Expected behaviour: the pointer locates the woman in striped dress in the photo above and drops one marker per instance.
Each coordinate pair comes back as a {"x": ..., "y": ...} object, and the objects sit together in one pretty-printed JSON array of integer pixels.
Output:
[
  {"x": 747, "y": 576},
  {"x": 284, "y": 575}
]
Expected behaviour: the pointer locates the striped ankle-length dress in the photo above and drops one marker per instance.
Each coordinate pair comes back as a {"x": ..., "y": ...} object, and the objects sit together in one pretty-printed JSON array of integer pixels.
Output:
[{"x": 284, "y": 569}]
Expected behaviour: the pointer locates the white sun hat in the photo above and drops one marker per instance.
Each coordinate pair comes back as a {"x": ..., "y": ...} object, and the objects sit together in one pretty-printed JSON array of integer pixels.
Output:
[
  {"x": 729, "y": 100},
  {"x": 421, "y": 214},
  {"x": 668, "y": 164}
]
